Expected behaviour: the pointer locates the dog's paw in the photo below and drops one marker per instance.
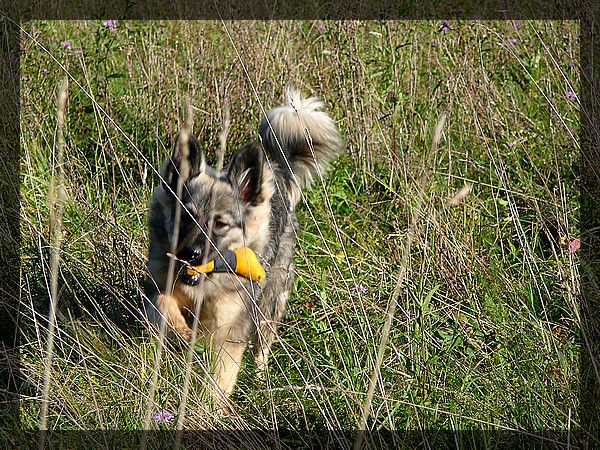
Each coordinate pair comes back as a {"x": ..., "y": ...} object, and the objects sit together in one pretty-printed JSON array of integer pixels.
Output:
[
  {"x": 260, "y": 373},
  {"x": 185, "y": 332},
  {"x": 224, "y": 408},
  {"x": 261, "y": 362}
]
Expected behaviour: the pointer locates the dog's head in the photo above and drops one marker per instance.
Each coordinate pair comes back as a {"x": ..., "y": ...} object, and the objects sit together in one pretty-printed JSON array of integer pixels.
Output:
[{"x": 220, "y": 209}]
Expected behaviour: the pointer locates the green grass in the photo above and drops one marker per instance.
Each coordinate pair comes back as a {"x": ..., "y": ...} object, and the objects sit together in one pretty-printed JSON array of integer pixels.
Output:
[{"x": 485, "y": 334}]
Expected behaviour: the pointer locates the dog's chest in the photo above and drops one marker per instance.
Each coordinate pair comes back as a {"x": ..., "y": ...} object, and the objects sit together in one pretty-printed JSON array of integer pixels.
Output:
[
  {"x": 224, "y": 307},
  {"x": 224, "y": 313}
]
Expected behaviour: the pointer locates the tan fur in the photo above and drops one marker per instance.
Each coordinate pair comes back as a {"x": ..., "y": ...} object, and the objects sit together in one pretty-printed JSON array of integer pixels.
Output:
[
  {"x": 217, "y": 326},
  {"x": 218, "y": 319}
]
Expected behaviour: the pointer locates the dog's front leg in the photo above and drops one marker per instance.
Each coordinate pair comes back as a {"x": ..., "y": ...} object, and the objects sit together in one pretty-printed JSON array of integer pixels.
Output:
[
  {"x": 272, "y": 309},
  {"x": 170, "y": 307},
  {"x": 227, "y": 356}
]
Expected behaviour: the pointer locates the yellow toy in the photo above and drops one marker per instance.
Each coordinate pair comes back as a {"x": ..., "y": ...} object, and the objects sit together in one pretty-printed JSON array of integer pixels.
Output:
[{"x": 242, "y": 261}]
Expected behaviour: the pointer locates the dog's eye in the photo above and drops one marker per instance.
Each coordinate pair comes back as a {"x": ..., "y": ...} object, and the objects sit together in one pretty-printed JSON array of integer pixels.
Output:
[{"x": 220, "y": 225}]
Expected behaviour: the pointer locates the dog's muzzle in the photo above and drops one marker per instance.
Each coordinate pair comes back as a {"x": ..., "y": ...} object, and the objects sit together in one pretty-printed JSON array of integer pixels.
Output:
[
  {"x": 189, "y": 277},
  {"x": 184, "y": 277},
  {"x": 189, "y": 256}
]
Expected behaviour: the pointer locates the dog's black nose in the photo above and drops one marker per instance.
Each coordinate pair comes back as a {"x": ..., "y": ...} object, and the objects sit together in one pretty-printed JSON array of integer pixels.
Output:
[{"x": 190, "y": 254}]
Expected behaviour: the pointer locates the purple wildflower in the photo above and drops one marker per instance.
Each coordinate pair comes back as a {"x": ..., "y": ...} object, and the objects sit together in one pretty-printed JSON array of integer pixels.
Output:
[
  {"x": 512, "y": 41},
  {"x": 445, "y": 26},
  {"x": 67, "y": 45},
  {"x": 45, "y": 72},
  {"x": 78, "y": 51},
  {"x": 360, "y": 289},
  {"x": 162, "y": 417},
  {"x": 25, "y": 78},
  {"x": 511, "y": 144},
  {"x": 517, "y": 25},
  {"x": 110, "y": 24},
  {"x": 571, "y": 95}
]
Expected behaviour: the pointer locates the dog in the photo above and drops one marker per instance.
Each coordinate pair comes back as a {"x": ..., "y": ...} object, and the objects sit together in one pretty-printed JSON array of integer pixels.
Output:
[{"x": 250, "y": 204}]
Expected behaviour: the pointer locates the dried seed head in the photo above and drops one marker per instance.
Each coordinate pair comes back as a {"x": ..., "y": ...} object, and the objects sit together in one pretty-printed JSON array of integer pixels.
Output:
[{"x": 460, "y": 195}]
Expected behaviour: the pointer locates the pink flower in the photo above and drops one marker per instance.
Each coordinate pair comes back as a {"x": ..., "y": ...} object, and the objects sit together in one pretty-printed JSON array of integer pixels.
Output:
[
  {"x": 110, "y": 24},
  {"x": 574, "y": 245},
  {"x": 78, "y": 51},
  {"x": 162, "y": 417},
  {"x": 512, "y": 41},
  {"x": 511, "y": 144},
  {"x": 571, "y": 95},
  {"x": 445, "y": 26},
  {"x": 45, "y": 72},
  {"x": 67, "y": 45},
  {"x": 360, "y": 289},
  {"x": 517, "y": 25}
]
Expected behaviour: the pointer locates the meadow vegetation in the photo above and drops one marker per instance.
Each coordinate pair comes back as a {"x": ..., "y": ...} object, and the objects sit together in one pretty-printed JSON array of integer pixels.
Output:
[{"x": 485, "y": 331}]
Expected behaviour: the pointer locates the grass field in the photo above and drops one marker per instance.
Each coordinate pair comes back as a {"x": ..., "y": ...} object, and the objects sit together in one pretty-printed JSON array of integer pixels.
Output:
[{"x": 485, "y": 331}]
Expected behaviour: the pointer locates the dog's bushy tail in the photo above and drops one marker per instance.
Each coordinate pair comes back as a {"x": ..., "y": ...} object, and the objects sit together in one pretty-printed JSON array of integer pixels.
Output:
[{"x": 301, "y": 138}]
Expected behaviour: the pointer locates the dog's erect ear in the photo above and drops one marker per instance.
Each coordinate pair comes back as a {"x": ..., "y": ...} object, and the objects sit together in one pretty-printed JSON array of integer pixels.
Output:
[
  {"x": 172, "y": 166},
  {"x": 246, "y": 171}
]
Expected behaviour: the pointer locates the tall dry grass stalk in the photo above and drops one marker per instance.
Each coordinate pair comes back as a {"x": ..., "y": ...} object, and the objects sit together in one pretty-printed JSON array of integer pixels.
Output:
[
  {"x": 226, "y": 121},
  {"x": 56, "y": 199},
  {"x": 184, "y": 172},
  {"x": 192, "y": 344},
  {"x": 391, "y": 309}
]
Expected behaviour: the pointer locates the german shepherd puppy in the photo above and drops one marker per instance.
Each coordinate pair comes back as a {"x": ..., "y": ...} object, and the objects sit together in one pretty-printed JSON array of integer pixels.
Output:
[{"x": 249, "y": 204}]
